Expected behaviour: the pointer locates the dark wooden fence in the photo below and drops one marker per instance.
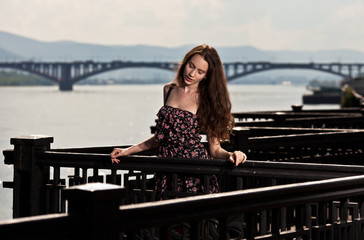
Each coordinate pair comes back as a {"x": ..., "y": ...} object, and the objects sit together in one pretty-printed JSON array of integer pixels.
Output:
[
  {"x": 326, "y": 209},
  {"x": 321, "y": 136},
  {"x": 305, "y": 145},
  {"x": 42, "y": 172},
  {"x": 331, "y": 118},
  {"x": 291, "y": 190}
]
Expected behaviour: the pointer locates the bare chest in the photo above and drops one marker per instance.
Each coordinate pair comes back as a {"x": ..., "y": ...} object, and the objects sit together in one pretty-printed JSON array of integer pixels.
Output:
[{"x": 183, "y": 100}]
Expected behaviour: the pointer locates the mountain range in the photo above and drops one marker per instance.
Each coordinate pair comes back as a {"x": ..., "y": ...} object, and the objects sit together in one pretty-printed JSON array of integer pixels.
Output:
[
  {"x": 17, "y": 48},
  {"x": 14, "y": 48}
]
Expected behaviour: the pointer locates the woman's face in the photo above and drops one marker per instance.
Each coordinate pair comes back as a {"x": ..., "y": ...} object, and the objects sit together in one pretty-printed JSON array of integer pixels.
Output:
[{"x": 195, "y": 70}]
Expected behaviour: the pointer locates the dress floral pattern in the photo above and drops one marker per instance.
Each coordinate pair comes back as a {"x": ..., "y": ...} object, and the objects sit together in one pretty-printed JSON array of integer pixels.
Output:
[{"x": 177, "y": 133}]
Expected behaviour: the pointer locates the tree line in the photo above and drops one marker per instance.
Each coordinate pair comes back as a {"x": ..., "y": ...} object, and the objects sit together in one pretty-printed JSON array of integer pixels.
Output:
[{"x": 16, "y": 78}]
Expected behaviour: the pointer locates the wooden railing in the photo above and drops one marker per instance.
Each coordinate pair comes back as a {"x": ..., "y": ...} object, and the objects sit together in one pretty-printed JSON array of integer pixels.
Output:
[
  {"x": 40, "y": 172},
  {"x": 294, "y": 166},
  {"x": 327, "y": 209},
  {"x": 321, "y": 136},
  {"x": 336, "y": 118},
  {"x": 325, "y": 146}
]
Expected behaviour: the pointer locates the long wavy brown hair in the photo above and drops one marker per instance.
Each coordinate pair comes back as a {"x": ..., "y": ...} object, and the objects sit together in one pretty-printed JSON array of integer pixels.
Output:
[{"x": 214, "y": 112}]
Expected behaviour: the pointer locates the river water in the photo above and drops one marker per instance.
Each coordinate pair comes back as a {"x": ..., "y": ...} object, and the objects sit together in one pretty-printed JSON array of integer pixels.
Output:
[{"x": 107, "y": 115}]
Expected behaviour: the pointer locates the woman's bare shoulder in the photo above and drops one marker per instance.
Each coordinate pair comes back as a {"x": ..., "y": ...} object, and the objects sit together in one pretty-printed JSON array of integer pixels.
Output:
[{"x": 168, "y": 86}]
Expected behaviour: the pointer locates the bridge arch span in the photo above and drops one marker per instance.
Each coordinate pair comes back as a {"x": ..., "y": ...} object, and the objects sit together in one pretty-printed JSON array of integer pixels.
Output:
[
  {"x": 237, "y": 70},
  {"x": 167, "y": 67},
  {"x": 243, "y": 74},
  {"x": 33, "y": 71}
]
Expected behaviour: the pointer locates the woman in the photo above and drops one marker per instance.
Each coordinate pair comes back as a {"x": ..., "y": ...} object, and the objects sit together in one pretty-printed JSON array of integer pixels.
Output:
[{"x": 197, "y": 100}]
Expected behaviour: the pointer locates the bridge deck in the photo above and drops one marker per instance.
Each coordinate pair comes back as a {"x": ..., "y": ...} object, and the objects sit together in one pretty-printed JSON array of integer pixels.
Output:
[{"x": 68, "y": 73}]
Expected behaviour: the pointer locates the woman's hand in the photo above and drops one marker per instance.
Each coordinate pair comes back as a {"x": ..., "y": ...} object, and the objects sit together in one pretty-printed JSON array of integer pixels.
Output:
[
  {"x": 237, "y": 157},
  {"x": 117, "y": 152}
]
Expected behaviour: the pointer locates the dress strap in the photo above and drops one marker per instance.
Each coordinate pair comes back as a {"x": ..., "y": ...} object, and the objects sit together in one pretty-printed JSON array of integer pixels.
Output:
[{"x": 169, "y": 92}]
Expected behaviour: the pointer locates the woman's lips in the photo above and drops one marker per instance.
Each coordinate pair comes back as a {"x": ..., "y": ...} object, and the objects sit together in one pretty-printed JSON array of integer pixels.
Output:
[{"x": 188, "y": 79}]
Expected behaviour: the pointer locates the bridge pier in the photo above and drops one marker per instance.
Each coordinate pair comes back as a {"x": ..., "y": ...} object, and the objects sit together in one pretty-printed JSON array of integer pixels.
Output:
[{"x": 66, "y": 83}]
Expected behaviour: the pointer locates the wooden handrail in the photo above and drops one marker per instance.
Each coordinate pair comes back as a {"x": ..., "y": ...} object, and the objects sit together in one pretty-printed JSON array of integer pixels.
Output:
[
  {"x": 201, "y": 166},
  {"x": 229, "y": 203},
  {"x": 273, "y": 200},
  {"x": 50, "y": 226}
]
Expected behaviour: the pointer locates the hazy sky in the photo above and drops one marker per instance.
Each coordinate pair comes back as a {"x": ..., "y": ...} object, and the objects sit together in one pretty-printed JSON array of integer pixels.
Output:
[{"x": 265, "y": 24}]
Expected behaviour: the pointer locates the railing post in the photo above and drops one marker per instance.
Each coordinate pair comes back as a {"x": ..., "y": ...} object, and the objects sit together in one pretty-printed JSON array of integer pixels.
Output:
[
  {"x": 29, "y": 178},
  {"x": 241, "y": 139},
  {"x": 98, "y": 205}
]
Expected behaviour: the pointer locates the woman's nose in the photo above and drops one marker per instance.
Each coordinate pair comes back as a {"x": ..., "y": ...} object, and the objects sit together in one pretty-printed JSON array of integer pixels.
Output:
[{"x": 192, "y": 73}]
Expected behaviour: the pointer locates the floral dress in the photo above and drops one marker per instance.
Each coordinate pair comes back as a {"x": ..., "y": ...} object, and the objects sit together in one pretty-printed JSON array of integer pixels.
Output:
[{"x": 177, "y": 133}]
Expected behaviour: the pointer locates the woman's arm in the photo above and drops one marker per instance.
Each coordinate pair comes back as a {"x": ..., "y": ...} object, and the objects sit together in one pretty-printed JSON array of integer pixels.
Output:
[
  {"x": 217, "y": 151},
  {"x": 146, "y": 145}
]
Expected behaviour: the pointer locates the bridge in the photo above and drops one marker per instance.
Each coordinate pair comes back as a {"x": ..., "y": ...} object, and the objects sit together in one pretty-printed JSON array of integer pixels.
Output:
[{"x": 65, "y": 74}]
